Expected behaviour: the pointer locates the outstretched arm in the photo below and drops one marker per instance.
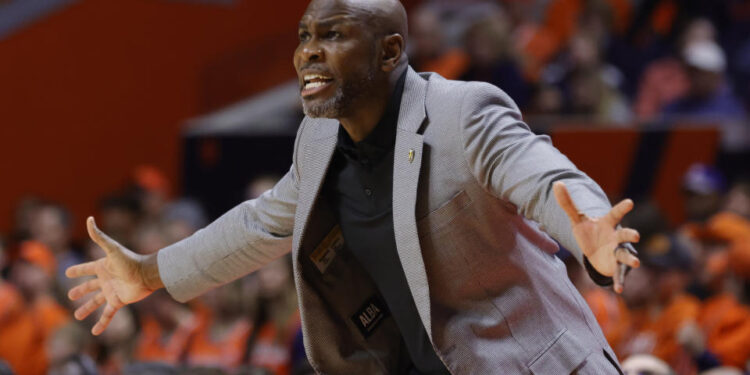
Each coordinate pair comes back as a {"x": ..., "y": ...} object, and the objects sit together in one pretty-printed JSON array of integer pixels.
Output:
[
  {"x": 120, "y": 278},
  {"x": 252, "y": 234},
  {"x": 521, "y": 167}
]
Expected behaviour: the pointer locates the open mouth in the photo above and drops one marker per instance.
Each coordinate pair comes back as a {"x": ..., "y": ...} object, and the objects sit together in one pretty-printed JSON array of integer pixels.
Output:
[{"x": 315, "y": 83}]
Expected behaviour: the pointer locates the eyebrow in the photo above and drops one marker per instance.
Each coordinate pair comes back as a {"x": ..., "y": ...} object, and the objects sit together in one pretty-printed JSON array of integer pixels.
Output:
[{"x": 332, "y": 20}]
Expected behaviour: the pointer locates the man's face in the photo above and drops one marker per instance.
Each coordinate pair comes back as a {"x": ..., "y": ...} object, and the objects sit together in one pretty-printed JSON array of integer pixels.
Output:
[{"x": 335, "y": 60}]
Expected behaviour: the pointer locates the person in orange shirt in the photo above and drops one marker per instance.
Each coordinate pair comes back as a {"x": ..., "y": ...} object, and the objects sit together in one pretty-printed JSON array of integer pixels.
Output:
[
  {"x": 166, "y": 330},
  {"x": 277, "y": 321},
  {"x": 726, "y": 321},
  {"x": 659, "y": 307},
  {"x": 223, "y": 329},
  {"x": 34, "y": 273},
  {"x": 19, "y": 338}
]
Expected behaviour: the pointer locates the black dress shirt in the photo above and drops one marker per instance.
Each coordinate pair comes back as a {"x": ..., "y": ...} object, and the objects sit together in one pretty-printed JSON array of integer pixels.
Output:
[{"x": 359, "y": 186}]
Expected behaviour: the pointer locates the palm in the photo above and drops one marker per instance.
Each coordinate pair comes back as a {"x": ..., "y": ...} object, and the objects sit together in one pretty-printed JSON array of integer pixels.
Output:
[
  {"x": 117, "y": 279},
  {"x": 597, "y": 242},
  {"x": 599, "y": 237}
]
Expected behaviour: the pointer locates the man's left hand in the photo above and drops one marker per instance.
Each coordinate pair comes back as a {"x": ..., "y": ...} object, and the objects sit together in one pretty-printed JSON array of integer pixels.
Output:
[{"x": 599, "y": 238}]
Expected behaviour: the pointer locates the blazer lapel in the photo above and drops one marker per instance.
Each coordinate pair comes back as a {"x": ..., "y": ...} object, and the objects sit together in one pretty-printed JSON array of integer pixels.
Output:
[
  {"x": 316, "y": 156},
  {"x": 407, "y": 163}
]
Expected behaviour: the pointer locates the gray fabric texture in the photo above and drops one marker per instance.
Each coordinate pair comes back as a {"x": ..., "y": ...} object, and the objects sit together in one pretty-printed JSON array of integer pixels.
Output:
[{"x": 474, "y": 217}]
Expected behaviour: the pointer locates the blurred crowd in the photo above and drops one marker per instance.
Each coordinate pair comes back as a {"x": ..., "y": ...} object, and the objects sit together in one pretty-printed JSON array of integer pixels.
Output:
[
  {"x": 613, "y": 62},
  {"x": 610, "y": 62},
  {"x": 685, "y": 310},
  {"x": 250, "y": 326}
]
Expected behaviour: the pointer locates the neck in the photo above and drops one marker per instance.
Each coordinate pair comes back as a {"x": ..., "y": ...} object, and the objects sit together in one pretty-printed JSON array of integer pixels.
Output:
[{"x": 368, "y": 111}]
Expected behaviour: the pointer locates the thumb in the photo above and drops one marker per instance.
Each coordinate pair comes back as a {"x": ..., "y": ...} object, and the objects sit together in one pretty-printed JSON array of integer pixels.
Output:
[{"x": 101, "y": 239}]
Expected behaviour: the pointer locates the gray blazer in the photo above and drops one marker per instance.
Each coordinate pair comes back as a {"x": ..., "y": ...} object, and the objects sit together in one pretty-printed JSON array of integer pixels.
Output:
[{"x": 473, "y": 212}]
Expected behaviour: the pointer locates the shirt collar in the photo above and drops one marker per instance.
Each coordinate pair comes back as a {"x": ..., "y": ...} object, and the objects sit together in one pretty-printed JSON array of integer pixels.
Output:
[{"x": 383, "y": 136}]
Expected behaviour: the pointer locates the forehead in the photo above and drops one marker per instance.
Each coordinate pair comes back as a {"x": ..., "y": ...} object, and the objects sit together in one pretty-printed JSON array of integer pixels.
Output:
[{"x": 336, "y": 11}]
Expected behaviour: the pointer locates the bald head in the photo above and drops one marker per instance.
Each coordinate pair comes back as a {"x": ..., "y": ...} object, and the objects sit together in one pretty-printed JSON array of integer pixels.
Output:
[{"x": 384, "y": 17}]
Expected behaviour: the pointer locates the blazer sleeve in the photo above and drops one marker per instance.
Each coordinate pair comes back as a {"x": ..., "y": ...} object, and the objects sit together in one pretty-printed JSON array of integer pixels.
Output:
[
  {"x": 518, "y": 166},
  {"x": 245, "y": 238}
]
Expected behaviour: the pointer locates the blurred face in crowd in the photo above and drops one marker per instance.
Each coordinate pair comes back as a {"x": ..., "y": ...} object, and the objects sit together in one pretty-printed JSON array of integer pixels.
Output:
[
  {"x": 30, "y": 279},
  {"x": 699, "y": 207},
  {"x": 336, "y": 59},
  {"x": 427, "y": 33},
  {"x": 584, "y": 51},
  {"x": 487, "y": 40},
  {"x": 585, "y": 92},
  {"x": 49, "y": 226},
  {"x": 700, "y": 30},
  {"x": 738, "y": 200},
  {"x": 639, "y": 290}
]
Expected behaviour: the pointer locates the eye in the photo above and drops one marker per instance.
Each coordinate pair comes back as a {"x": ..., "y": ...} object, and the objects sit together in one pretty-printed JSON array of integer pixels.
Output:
[
  {"x": 332, "y": 35},
  {"x": 304, "y": 36}
]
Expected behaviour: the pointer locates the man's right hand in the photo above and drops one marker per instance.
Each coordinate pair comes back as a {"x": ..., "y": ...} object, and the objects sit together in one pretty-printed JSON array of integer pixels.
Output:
[{"x": 120, "y": 278}]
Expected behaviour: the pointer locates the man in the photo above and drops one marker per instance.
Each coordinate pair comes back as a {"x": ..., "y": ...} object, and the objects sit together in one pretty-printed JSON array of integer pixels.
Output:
[{"x": 472, "y": 287}]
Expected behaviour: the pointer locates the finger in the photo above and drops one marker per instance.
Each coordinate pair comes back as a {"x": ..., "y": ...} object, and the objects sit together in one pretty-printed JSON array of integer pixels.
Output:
[
  {"x": 563, "y": 199},
  {"x": 101, "y": 238},
  {"x": 619, "y": 277},
  {"x": 79, "y": 270},
  {"x": 627, "y": 235},
  {"x": 625, "y": 257},
  {"x": 107, "y": 315},
  {"x": 617, "y": 212},
  {"x": 90, "y": 306},
  {"x": 83, "y": 289}
]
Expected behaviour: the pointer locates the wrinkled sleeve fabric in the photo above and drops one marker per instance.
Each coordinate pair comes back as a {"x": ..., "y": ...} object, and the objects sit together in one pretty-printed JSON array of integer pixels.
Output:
[
  {"x": 518, "y": 166},
  {"x": 247, "y": 237}
]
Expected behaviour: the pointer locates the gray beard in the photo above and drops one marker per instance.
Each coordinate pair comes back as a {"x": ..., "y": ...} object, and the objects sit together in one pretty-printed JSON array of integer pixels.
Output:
[{"x": 339, "y": 105}]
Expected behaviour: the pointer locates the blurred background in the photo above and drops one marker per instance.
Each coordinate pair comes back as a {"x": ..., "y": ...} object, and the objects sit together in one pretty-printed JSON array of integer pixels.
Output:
[{"x": 158, "y": 115}]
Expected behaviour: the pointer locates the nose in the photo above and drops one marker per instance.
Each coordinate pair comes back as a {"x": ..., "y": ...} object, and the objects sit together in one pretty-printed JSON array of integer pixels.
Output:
[{"x": 312, "y": 53}]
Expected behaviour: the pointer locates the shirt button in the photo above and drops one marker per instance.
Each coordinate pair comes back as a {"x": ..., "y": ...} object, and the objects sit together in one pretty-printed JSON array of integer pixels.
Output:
[{"x": 368, "y": 192}]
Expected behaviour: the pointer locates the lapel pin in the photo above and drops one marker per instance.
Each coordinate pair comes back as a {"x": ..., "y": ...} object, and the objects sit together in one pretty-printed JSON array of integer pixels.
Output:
[{"x": 411, "y": 155}]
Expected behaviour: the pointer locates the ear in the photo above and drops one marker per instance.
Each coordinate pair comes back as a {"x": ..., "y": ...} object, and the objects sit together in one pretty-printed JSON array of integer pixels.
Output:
[{"x": 393, "y": 52}]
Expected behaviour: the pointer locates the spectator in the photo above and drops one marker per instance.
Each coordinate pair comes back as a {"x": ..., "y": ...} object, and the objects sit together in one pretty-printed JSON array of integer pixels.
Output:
[
  {"x": 19, "y": 338},
  {"x": 703, "y": 187},
  {"x": 708, "y": 97},
  {"x": 39, "y": 314},
  {"x": 492, "y": 59},
  {"x": 665, "y": 80},
  {"x": 166, "y": 330},
  {"x": 116, "y": 344},
  {"x": 51, "y": 226},
  {"x": 182, "y": 218},
  {"x": 277, "y": 321},
  {"x": 223, "y": 329},
  {"x": 153, "y": 191},
  {"x": 120, "y": 215},
  {"x": 592, "y": 85},
  {"x": 430, "y": 50},
  {"x": 738, "y": 199},
  {"x": 66, "y": 352}
]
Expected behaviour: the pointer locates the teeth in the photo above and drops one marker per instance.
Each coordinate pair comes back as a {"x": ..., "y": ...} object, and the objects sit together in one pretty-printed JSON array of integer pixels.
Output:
[
  {"x": 314, "y": 85},
  {"x": 310, "y": 77}
]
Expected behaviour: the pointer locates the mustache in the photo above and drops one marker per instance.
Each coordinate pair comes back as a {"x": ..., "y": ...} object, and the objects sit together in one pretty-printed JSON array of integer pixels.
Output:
[{"x": 314, "y": 67}]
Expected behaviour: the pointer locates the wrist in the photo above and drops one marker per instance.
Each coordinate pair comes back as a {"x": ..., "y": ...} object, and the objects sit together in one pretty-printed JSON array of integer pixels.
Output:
[{"x": 149, "y": 272}]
